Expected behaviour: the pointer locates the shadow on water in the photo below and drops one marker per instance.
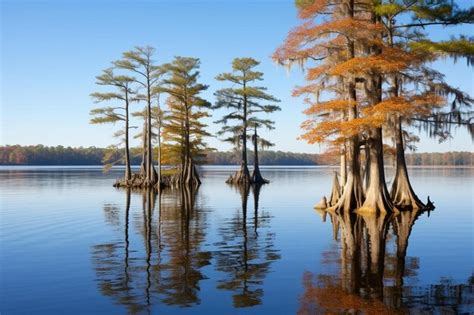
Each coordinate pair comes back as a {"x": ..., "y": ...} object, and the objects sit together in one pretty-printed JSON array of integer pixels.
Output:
[
  {"x": 163, "y": 264},
  {"x": 243, "y": 255},
  {"x": 370, "y": 277}
]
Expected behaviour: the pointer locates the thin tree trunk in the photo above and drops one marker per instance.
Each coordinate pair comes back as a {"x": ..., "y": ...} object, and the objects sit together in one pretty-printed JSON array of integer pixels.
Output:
[
  {"x": 257, "y": 176},
  {"x": 159, "y": 155},
  {"x": 343, "y": 167},
  {"x": 144, "y": 150},
  {"x": 128, "y": 171},
  {"x": 242, "y": 176}
]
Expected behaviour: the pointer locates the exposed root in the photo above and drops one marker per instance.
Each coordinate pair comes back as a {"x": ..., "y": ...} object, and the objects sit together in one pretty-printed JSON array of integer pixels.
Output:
[
  {"x": 322, "y": 204},
  {"x": 335, "y": 192},
  {"x": 352, "y": 196}
]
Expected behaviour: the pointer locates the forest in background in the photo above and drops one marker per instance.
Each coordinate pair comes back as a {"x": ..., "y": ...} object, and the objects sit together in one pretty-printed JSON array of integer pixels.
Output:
[{"x": 60, "y": 155}]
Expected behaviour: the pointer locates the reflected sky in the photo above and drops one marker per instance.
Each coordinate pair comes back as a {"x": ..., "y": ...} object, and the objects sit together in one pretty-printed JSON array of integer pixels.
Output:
[{"x": 70, "y": 241}]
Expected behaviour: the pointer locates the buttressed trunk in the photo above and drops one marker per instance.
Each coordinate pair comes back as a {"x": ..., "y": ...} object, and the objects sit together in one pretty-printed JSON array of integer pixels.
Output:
[
  {"x": 242, "y": 176},
  {"x": 377, "y": 198},
  {"x": 402, "y": 192}
]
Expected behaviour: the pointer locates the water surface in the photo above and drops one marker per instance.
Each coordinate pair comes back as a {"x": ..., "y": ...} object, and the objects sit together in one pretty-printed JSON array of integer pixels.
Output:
[{"x": 71, "y": 243}]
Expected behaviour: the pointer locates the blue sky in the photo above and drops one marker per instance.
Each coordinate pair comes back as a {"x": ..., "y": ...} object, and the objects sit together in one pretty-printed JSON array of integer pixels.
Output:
[{"x": 52, "y": 51}]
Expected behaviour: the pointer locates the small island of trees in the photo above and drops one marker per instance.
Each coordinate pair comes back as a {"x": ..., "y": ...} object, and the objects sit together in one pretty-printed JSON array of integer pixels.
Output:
[{"x": 178, "y": 130}]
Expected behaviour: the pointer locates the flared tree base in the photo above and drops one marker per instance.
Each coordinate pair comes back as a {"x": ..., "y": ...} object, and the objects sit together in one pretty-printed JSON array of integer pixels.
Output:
[
  {"x": 257, "y": 177},
  {"x": 241, "y": 177},
  {"x": 138, "y": 181}
]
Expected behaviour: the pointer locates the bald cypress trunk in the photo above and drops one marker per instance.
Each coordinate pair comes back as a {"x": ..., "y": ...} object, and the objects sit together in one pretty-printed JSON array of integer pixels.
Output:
[
  {"x": 256, "y": 175},
  {"x": 377, "y": 198},
  {"x": 352, "y": 193},
  {"x": 144, "y": 150},
  {"x": 335, "y": 192},
  {"x": 343, "y": 167},
  {"x": 242, "y": 176},
  {"x": 402, "y": 192},
  {"x": 128, "y": 171},
  {"x": 188, "y": 174}
]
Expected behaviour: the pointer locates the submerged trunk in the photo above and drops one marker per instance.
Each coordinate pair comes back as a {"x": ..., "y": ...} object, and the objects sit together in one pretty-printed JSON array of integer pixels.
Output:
[
  {"x": 377, "y": 198},
  {"x": 402, "y": 193},
  {"x": 256, "y": 175}
]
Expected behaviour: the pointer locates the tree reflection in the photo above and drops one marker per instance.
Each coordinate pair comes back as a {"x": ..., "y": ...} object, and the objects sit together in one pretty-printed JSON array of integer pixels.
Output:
[
  {"x": 167, "y": 267},
  {"x": 371, "y": 276},
  {"x": 244, "y": 255}
]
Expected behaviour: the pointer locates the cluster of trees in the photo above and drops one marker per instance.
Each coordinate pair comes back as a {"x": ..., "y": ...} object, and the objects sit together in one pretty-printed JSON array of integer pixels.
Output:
[
  {"x": 371, "y": 60},
  {"x": 177, "y": 131},
  {"x": 59, "y": 155}
]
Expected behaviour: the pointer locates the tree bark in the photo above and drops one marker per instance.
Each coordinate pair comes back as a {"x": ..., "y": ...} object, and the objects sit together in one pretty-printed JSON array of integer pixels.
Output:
[
  {"x": 335, "y": 192},
  {"x": 256, "y": 175},
  {"x": 128, "y": 171},
  {"x": 343, "y": 167},
  {"x": 377, "y": 198},
  {"x": 402, "y": 192},
  {"x": 352, "y": 193},
  {"x": 144, "y": 150}
]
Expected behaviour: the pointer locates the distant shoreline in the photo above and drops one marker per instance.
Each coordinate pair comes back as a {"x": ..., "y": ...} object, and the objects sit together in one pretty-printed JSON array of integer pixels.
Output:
[{"x": 39, "y": 155}]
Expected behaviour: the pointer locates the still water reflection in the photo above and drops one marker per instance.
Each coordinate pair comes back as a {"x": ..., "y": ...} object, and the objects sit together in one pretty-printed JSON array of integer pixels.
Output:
[{"x": 71, "y": 243}]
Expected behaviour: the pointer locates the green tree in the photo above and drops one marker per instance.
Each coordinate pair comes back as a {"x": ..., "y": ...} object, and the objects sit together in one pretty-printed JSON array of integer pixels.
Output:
[
  {"x": 140, "y": 62},
  {"x": 243, "y": 101},
  {"x": 118, "y": 113},
  {"x": 183, "y": 128}
]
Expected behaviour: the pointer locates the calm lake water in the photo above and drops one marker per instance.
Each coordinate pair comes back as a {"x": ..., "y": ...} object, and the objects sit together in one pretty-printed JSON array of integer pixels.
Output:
[{"x": 73, "y": 244}]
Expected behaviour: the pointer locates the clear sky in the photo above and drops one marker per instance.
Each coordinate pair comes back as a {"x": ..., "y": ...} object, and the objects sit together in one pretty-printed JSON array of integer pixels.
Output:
[{"x": 51, "y": 52}]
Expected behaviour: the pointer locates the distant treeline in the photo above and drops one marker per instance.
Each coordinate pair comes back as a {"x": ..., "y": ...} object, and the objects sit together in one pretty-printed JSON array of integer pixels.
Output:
[{"x": 59, "y": 155}]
